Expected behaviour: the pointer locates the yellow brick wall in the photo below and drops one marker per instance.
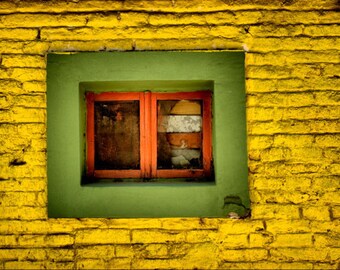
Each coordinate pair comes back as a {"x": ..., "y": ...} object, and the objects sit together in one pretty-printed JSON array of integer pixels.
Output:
[{"x": 293, "y": 111}]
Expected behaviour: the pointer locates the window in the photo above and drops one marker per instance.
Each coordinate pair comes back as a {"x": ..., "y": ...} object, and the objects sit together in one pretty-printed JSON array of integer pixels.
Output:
[
  {"x": 123, "y": 83},
  {"x": 149, "y": 135}
]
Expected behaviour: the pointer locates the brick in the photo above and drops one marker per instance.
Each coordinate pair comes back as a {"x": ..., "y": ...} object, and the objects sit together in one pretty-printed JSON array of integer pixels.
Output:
[
  {"x": 18, "y": 34},
  {"x": 156, "y": 263},
  {"x": 292, "y": 183},
  {"x": 316, "y": 213},
  {"x": 20, "y": 199},
  {"x": 281, "y": 197},
  {"x": 34, "y": 87},
  {"x": 58, "y": 240},
  {"x": 328, "y": 140},
  {"x": 195, "y": 236},
  {"x": 117, "y": 20},
  {"x": 97, "y": 251},
  {"x": 102, "y": 236},
  {"x": 32, "y": 254},
  {"x": 305, "y": 254},
  {"x": 335, "y": 212},
  {"x": 327, "y": 240},
  {"x": 240, "y": 226},
  {"x": 245, "y": 255},
  {"x": 23, "y": 74},
  {"x": 258, "y": 240},
  {"x": 8, "y": 240},
  {"x": 24, "y": 212},
  {"x": 91, "y": 45},
  {"x": 188, "y": 224},
  {"x": 42, "y": 20},
  {"x": 323, "y": 266},
  {"x": 21, "y": 60},
  {"x": 325, "y": 226},
  {"x": 277, "y": 211},
  {"x": 157, "y": 236},
  {"x": 38, "y": 265},
  {"x": 23, "y": 185},
  {"x": 292, "y": 240},
  {"x": 233, "y": 241},
  {"x": 321, "y": 30}
]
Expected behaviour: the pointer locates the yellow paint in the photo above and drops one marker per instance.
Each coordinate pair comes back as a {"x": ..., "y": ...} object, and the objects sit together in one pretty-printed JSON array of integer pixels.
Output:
[{"x": 292, "y": 64}]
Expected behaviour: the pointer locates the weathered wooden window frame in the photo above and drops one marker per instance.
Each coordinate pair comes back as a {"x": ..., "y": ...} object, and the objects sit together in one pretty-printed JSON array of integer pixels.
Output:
[{"x": 148, "y": 142}]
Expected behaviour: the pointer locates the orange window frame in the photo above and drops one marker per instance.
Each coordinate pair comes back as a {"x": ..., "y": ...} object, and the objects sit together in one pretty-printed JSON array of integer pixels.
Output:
[{"x": 148, "y": 135}]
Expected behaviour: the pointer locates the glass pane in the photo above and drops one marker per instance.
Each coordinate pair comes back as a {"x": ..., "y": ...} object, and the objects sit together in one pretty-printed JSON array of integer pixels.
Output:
[
  {"x": 117, "y": 135},
  {"x": 179, "y": 137}
]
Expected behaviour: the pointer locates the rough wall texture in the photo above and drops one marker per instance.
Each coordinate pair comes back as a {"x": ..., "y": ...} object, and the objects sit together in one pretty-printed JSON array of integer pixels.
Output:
[{"x": 293, "y": 109}]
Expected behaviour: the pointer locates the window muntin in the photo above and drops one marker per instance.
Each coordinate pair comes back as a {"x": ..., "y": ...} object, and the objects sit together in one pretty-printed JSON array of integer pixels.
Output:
[{"x": 167, "y": 135}]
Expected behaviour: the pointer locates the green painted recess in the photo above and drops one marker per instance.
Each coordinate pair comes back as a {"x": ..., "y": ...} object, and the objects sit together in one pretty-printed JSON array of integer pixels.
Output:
[{"x": 69, "y": 76}]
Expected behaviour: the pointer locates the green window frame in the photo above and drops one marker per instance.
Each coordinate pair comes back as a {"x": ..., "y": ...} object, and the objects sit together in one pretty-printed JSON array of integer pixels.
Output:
[{"x": 69, "y": 77}]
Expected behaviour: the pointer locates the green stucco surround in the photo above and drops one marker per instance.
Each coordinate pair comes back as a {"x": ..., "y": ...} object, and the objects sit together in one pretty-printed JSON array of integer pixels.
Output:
[{"x": 70, "y": 75}]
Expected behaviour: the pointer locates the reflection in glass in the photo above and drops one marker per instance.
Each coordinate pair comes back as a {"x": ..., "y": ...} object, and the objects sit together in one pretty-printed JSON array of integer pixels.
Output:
[
  {"x": 179, "y": 137},
  {"x": 117, "y": 135}
]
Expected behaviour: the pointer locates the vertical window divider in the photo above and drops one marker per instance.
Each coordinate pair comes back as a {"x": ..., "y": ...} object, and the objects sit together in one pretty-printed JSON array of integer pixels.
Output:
[{"x": 146, "y": 122}]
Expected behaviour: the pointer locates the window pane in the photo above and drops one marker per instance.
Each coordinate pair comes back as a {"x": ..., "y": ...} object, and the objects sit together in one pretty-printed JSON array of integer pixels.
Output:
[
  {"x": 117, "y": 135},
  {"x": 179, "y": 144}
]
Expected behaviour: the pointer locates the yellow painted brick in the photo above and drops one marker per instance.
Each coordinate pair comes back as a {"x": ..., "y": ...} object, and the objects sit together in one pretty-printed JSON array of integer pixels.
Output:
[
  {"x": 38, "y": 265},
  {"x": 19, "y": 199},
  {"x": 31, "y": 100},
  {"x": 292, "y": 240},
  {"x": 189, "y": 223},
  {"x": 237, "y": 265},
  {"x": 245, "y": 255},
  {"x": 292, "y": 57},
  {"x": 34, "y": 87},
  {"x": 288, "y": 184},
  {"x": 117, "y": 20},
  {"x": 283, "y": 265},
  {"x": 298, "y": 17},
  {"x": 140, "y": 223},
  {"x": 58, "y": 240},
  {"x": 23, "y": 74},
  {"x": 324, "y": 266},
  {"x": 8, "y": 240},
  {"x": 185, "y": 19},
  {"x": 98, "y": 251},
  {"x": 334, "y": 254},
  {"x": 275, "y": 154},
  {"x": 119, "y": 263},
  {"x": 42, "y": 20},
  {"x": 157, "y": 236},
  {"x": 275, "y": 211},
  {"x": 195, "y": 236},
  {"x": 259, "y": 142},
  {"x": 293, "y": 127},
  {"x": 275, "y": 30},
  {"x": 331, "y": 239},
  {"x": 326, "y": 183},
  {"x": 293, "y": 141},
  {"x": 10, "y": 87},
  {"x": 24, "y": 212},
  {"x": 91, "y": 45},
  {"x": 318, "y": 226},
  {"x": 328, "y": 198},
  {"x": 60, "y": 254},
  {"x": 128, "y": 251},
  {"x": 188, "y": 44},
  {"x": 233, "y": 241},
  {"x": 281, "y": 99},
  {"x": 21, "y": 60},
  {"x": 102, "y": 236},
  {"x": 305, "y": 254},
  {"x": 157, "y": 264},
  {"x": 281, "y": 197},
  {"x": 269, "y": 44},
  {"x": 305, "y": 154},
  {"x": 264, "y": 114},
  {"x": 18, "y": 34},
  {"x": 328, "y": 140},
  {"x": 27, "y": 254},
  {"x": 35, "y": 47},
  {"x": 230, "y": 226},
  {"x": 22, "y": 115},
  {"x": 201, "y": 256},
  {"x": 322, "y": 30},
  {"x": 313, "y": 112},
  {"x": 316, "y": 212},
  {"x": 258, "y": 240},
  {"x": 23, "y": 185},
  {"x": 336, "y": 212}
]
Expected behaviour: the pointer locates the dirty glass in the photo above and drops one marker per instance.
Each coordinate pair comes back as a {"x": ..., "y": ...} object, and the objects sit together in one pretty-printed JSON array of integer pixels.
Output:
[
  {"x": 179, "y": 136},
  {"x": 117, "y": 139}
]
